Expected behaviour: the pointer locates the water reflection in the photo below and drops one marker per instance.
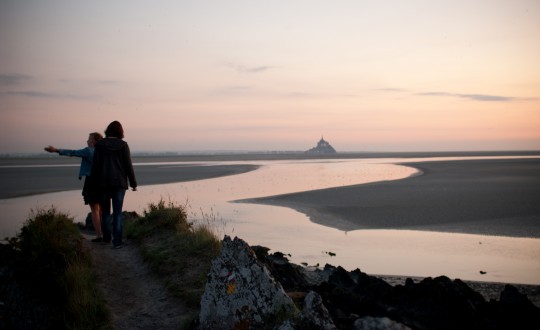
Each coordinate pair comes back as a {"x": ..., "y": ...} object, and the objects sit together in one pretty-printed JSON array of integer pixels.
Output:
[{"x": 392, "y": 252}]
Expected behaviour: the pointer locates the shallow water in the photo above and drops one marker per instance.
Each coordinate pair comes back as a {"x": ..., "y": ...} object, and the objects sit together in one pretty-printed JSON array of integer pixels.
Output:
[{"x": 391, "y": 252}]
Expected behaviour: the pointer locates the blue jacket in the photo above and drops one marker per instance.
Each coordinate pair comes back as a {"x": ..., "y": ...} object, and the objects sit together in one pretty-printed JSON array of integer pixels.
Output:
[{"x": 87, "y": 155}]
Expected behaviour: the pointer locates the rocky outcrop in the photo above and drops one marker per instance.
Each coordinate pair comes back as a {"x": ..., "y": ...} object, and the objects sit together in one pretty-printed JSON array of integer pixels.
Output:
[
  {"x": 334, "y": 298},
  {"x": 241, "y": 293}
]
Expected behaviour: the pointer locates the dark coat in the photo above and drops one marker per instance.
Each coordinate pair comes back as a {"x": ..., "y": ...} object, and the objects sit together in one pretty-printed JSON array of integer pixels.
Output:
[{"x": 112, "y": 165}]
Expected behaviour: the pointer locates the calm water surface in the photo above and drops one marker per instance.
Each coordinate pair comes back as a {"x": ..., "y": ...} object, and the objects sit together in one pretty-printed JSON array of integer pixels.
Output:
[{"x": 391, "y": 252}]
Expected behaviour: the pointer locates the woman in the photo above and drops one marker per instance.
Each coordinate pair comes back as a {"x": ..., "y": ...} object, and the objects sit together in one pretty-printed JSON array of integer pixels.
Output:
[
  {"x": 90, "y": 194},
  {"x": 111, "y": 170}
]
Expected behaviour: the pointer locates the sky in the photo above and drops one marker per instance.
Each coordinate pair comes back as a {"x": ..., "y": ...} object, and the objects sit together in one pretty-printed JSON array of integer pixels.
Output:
[{"x": 271, "y": 75}]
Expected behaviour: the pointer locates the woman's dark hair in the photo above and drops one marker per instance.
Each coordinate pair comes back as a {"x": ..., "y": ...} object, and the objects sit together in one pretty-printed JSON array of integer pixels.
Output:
[{"x": 115, "y": 130}]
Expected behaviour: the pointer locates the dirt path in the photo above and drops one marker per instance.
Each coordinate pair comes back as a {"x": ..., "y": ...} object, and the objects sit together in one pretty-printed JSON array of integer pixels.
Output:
[{"x": 136, "y": 298}]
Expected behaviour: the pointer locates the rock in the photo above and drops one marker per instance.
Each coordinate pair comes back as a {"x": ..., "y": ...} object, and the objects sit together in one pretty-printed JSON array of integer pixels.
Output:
[
  {"x": 515, "y": 310},
  {"x": 241, "y": 293},
  {"x": 438, "y": 303},
  {"x": 315, "y": 315},
  {"x": 511, "y": 296},
  {"x": 334, "y": 298},
  {"x": 289, "y": 275},
  {"x": 342, "y": 279},
  {"x": 378, "y": 323},
  {"x": 348, "y": 295}
]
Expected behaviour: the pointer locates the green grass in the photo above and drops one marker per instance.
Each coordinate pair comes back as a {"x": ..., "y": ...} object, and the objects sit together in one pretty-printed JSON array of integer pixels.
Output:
[
  {"x": 85, "y": 302},
  {"x": 51, "y": 264},
  {"x": 48, "y": 260},
  {"x": 176, "y": 250}
]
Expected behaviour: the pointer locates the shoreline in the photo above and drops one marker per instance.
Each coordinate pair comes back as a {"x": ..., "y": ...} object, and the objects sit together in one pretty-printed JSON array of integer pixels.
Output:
[
  {"x": 485, "y": 197},
  {"x": 10, "y": 159}
]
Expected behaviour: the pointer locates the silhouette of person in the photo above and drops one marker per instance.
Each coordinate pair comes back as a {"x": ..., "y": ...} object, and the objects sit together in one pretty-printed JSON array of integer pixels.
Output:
[
  {"x": 111, "y": 170},
  {"x": 91, "y": 195}
]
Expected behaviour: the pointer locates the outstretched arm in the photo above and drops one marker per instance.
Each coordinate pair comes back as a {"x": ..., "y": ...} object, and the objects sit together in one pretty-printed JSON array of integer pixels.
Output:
[
  {"x": 51, "y": 149},
  {"x": 83, "y": 153}
]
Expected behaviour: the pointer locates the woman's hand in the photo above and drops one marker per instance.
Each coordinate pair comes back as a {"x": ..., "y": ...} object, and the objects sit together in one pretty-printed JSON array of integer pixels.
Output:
[{"x": 51, "y": 149}]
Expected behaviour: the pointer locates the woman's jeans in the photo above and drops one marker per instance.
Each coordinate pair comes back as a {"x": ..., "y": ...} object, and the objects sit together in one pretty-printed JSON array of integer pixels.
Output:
[{"x": 116, "y": 198}]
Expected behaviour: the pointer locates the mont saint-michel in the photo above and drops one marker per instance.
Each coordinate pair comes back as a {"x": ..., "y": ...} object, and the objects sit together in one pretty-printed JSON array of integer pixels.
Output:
[{"x": 323, "y": 148}]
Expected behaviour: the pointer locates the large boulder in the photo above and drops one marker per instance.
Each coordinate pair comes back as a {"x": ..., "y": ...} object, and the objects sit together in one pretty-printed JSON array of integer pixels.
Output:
[{"x": 241, "y": 293}]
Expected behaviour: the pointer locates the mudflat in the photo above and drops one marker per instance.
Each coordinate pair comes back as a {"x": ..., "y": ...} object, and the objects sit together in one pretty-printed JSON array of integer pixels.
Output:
[
  {"x": 40, "y": 176},
  {"x": 487, "y": 196},
  {"x": 493, "y": 197}
]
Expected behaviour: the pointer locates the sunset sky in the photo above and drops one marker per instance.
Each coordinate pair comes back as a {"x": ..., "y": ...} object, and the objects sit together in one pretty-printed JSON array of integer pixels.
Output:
[{"x": 271, "y": 75}]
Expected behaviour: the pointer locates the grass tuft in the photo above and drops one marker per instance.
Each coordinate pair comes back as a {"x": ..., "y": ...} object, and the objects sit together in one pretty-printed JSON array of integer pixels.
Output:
[
  {"x": 176, "y": 250},
  {"x": 47, "y": 260}
]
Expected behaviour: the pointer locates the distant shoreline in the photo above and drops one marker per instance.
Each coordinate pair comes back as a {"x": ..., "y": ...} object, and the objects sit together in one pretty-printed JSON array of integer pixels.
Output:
[{"x": 13, "y": 160}]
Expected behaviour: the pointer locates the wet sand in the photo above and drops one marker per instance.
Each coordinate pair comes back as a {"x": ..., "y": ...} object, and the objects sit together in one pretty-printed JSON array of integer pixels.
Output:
[
  {"x": 494, "y": 197},
  {"x": 487, "y": 197},
  {"x": 25, "y": 181}
]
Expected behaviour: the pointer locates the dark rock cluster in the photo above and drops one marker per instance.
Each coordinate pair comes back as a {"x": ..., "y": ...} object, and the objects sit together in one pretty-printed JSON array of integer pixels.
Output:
[{"x": 356, "y": 300}]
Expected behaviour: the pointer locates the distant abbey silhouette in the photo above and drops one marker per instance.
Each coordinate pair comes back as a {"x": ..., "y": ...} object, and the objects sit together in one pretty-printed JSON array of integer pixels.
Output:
[{"x": 322, "y": 148}]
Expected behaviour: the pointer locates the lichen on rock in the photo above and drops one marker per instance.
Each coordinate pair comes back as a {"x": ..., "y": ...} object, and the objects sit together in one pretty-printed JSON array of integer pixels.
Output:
[{"x": 241, "y": 292}]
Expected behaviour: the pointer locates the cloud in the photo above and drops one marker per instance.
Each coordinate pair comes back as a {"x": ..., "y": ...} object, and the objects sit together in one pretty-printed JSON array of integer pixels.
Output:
[
  {"x": 17, "y": 85},
  {"x": 13, "y": 79},
  {"x": 474, "y": 97},
  {"x": 435, "y": 94},
  {"x": 469, "y": 96},
  {"x": 45, "y": 95},
  {"x": 249, "y": 69},
  {"x": 256, "y": 69},
  {"x": 31, "y": 94},
  {"x": 480, "y": 97},
  {"x": 397, "y": 90},
  {"x": 90, "y": 82}
]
